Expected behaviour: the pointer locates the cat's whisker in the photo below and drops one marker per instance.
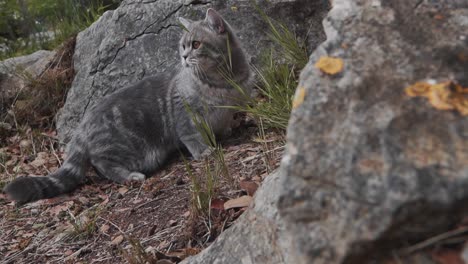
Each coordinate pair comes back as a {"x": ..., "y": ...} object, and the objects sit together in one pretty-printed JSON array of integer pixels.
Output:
[
  {"x": 197, "y": 71},
  {"x": 202, "y": 72}
]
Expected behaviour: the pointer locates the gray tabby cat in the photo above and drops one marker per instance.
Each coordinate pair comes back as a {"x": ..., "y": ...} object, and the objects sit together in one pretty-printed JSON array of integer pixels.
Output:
[{"x": 130, "y": 133}]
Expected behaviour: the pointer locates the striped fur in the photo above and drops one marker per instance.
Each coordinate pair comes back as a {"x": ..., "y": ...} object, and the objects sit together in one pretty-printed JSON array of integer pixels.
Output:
[{"x": 130, "y": 134}]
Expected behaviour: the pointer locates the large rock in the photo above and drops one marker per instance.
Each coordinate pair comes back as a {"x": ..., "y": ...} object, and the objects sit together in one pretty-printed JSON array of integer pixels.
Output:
[
  {"x": 16, "y": 73},
  {"x": 368, "y": 170},
  {"x": 140, "y": 39}
]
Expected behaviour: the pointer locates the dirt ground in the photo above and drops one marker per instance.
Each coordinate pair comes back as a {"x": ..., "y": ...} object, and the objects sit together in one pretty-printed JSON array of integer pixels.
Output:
[{"x": 104, "y": 222}]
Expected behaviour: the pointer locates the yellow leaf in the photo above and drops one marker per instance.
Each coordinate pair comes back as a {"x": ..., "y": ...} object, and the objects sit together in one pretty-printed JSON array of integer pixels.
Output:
[
  {"x": 461, "y": 104},
  {"x": 299, "y": 98},
  {"x": 117, "y": 240},
  {"x": 240, "y": 202},
  {"x": 330, "y": 65},
  {"x": 440, "y": 96},
  {"x": 418, "y": 89}
]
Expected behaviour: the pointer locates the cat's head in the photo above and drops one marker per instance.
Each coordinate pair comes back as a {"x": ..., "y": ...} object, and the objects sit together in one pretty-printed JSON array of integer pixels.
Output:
[{"x": 207, "y": 45}]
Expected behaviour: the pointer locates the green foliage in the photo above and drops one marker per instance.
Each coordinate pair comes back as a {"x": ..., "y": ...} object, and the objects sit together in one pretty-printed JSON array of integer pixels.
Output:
[
  {"x": 204, "y": 187},
  {"x": 85, "y": 225},
  {"x": 277, "y": 78},
  {"x": 30, "y": 25},
  {"x": 292, "y": 50},
  {"x": 136, "y": 254}
]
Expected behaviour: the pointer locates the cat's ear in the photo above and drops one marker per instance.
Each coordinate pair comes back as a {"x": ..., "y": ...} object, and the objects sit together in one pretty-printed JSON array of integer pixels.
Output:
[
  {"x": 185, "y": 22},
  {"x": 215, "y": 21}
]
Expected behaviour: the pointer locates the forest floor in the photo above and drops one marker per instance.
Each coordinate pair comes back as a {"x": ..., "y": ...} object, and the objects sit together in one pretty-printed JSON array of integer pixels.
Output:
[
  {"x": 173, "y": 214},
  {"x": 139, "y": 222}
]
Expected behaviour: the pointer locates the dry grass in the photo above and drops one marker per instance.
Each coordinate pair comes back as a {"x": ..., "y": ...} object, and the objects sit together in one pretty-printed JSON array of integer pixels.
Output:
[{"x": 37, "y": 105}]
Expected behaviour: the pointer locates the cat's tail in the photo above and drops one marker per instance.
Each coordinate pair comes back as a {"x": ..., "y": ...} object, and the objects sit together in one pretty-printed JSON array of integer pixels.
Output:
[{"x": 66, "y": 179}]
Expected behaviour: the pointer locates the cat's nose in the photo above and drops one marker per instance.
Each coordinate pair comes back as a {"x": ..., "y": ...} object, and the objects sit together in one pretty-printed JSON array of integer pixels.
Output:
[{"x": 185, "y": 57}]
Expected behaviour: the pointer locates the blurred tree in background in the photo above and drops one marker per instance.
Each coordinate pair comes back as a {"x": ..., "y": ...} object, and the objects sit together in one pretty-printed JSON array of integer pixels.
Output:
[{"x": 29, "y": 25}]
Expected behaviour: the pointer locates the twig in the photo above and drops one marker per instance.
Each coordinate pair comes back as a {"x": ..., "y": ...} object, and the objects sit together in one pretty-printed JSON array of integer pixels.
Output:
[
  {"x": 139, "y": 191},
  {"x": 51, "y": 137},
  {"x": 116, "y": 226},
  {"x": 396, "y": 258},
  {"x": 150, "y": 201},
  {"x": 261, "y": 154},
  {"x": 76, "y": 253},
  {"x": 33, "y": 145},
  {"x": 433, "y": 240},
  {"x": 54, "y": 152}
]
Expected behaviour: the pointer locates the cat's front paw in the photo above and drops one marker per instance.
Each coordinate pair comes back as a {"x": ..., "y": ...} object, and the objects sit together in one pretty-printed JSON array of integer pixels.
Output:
[{"x": 136, "y": 176}]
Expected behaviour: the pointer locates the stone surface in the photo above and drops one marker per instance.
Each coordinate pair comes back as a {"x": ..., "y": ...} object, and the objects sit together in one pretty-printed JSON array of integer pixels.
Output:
[
  {"x": 368, "y": 170},
  {"x": 15, "y": 73},
  {"x": 140, "y": 38}
]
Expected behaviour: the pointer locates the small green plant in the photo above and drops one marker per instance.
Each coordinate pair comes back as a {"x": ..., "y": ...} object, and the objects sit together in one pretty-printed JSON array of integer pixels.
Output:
[
  {"x": 84, "y": 225},
  {"x": 204, "y": 188},
  {"x": 277, "y": 78},
  {"x": 136, "y": 254}
]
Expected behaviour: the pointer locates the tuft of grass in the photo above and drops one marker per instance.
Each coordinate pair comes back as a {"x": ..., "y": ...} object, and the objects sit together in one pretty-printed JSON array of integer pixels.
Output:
[
  {"x": 45, "y": 95},
  {"x": 277, "y": 78},
  {"x": 136, "y": 254},
  {"x": 85, "y": 225},
  {"x": 204, "y": 187}
]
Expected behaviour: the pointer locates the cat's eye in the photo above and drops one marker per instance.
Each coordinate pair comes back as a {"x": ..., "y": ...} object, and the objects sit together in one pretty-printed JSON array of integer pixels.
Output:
[
  {"x": 196, "y": 44},
  {"x": 183, "y": 46}
]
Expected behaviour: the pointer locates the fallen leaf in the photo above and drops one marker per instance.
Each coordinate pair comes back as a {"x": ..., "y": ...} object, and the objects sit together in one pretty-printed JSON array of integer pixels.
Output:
[
  {"x": 56, "y": 210},
  {"x": 447, "y": 257},
  {"x": 242, "y": 201},
  {"x": 461, "y": 104},
  {"x": 163, "y": 244},
  {"x": 418, "y": 89},
  {"x": 299, "y": 97},
  {"x": 440, "y": 96},
  {"x": 249, "y": 186},
  {"x": 192, "y": 251},
  {"x": 217, "y": 204},
  {"x": 105, "y": 199},
  {"x": 40, "y": 160},
  {"x": 123, "y": 190},
  {"x": 83, "y": 200},
  {"x": 24, "y": 243},
  {"x": 117, "y": 240},
  {"x": 38, "y": 226},
  {"x": 25, "y": 144},
  {"x": 186, "y": 214},
  {"x": 152, "y": 230},
  {"x": 164, "y": 261},
  {"x": 257, "y": 179},
  {"x": 330, "y": 65},
  {"x": 137, "y": 201},
  {"x": 104, "y": 228}
]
